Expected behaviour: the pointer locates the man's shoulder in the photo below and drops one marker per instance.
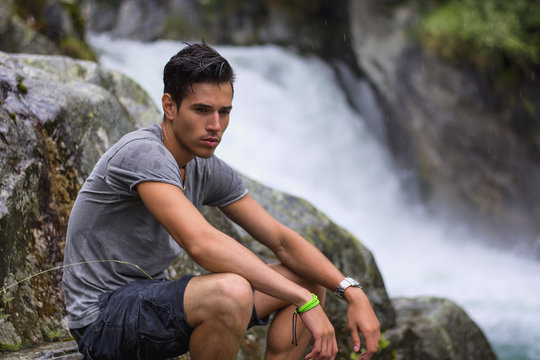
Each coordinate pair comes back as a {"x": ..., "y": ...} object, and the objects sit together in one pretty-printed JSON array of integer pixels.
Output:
[
  {"x": 151, "y": 133},
  {"x": 141, "y": 139}
]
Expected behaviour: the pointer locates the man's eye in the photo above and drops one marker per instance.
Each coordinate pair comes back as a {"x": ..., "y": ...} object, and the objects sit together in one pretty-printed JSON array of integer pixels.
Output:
[
  {"x": 224, "y": 112},
  {"x": 201, "y": 110}
]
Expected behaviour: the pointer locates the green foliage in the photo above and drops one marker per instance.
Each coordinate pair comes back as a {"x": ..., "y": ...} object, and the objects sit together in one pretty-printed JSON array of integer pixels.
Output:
[
  {"x": 23, "y": 89},
  {"x": 76, "y": 48},
  {"x": 10, "y": 347},
  {"x": 491, "y": 33}
]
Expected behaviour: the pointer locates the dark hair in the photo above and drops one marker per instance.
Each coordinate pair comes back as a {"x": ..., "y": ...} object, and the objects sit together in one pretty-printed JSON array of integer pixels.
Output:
[{"x": 195, "y": 63}]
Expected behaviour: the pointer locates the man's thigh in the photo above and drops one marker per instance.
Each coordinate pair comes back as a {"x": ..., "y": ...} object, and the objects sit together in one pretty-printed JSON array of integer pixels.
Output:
[{"x": 142, "y": 320}]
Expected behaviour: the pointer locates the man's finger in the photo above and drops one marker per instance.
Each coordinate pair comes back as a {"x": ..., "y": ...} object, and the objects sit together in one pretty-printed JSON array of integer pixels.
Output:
[
  {"x": 372, "y": 341},
  {"x": 315, "y": 351},
  {"x": 355, "y": 338}
]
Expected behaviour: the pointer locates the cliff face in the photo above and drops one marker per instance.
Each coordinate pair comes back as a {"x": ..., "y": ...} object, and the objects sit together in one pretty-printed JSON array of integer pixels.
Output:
[
  {"x": 57, "y": 116},
  {"x": 448, "y": 126}
]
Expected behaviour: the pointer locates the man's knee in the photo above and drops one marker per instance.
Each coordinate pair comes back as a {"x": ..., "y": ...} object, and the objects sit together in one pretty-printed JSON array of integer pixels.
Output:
[
  {"x": 225, "y": 299},
  {"x": 234, "y": 293}
]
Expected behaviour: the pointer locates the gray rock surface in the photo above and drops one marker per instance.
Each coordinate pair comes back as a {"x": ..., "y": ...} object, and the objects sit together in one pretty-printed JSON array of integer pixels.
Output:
[
  {"x": 56, "y": 117},
  {"x": 435, "y": 329}
]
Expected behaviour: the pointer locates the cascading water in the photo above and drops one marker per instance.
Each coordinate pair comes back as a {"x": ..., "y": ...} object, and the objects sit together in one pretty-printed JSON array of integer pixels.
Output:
[{"x": 291, "y": 128}]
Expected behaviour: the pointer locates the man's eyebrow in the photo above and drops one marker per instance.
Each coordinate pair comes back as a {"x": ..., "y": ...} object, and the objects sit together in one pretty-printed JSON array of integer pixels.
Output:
[
  {"x": 206, "y": 106},
  {"x": 201, "y": 105}
]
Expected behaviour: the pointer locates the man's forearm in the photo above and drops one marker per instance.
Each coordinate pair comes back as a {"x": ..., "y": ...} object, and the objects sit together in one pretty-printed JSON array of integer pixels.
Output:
[
  {"x": 211, "y": 248},
  {"x": 307, "y": 261},
  {"x": 220, "y": 253}
]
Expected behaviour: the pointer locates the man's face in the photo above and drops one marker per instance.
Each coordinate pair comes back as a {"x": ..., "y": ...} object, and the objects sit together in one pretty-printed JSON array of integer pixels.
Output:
[{"x": 202, "y": 118}]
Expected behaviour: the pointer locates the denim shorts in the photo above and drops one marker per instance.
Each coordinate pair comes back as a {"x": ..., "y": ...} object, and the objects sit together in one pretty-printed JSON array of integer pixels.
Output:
[{"x": 142, "y": 320}]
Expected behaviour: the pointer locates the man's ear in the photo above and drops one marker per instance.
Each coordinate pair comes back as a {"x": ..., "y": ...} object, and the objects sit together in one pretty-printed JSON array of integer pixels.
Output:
[{"x": 169, "y": 106}]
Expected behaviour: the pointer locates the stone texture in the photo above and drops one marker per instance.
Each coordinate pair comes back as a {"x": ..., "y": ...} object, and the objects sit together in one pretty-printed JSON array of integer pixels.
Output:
[
  {"x": 57, "y": 116},
  {"x": 434, "y": 329}
]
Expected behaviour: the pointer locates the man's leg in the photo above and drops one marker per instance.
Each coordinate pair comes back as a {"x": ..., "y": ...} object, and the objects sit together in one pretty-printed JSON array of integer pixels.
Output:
[
  {"x": 219, "y": 307},
  {"x": 280, "y": 332}
]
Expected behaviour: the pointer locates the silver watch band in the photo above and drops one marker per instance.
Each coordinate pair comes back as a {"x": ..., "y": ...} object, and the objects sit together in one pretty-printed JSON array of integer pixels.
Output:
[{"x": 344, "y": 284}]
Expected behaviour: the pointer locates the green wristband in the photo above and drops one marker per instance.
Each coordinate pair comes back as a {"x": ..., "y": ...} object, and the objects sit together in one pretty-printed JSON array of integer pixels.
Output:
[{"x": 309, "y": 305}]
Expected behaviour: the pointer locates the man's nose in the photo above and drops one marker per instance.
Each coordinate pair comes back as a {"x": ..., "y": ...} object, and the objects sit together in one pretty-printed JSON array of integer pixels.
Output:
[{"x": 214, "y": 122}]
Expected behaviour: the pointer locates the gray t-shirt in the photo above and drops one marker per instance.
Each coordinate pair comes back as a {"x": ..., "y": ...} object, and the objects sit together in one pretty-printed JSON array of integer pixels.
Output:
[{"x": 109, "y": 221}]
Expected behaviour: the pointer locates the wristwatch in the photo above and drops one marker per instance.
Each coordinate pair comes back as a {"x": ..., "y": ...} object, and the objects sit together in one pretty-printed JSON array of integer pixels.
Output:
[{"x": 344, "y": 284}]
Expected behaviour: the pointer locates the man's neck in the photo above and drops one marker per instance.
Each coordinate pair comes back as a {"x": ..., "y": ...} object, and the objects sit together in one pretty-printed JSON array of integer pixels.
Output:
[{"x": 169, "y": 141}]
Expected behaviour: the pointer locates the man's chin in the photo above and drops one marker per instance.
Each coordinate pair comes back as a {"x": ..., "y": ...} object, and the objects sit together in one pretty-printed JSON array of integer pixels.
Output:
[{"x": 207, "y": 153}]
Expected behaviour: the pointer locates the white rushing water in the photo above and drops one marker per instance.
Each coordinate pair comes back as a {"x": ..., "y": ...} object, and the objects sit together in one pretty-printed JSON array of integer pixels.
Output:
[{"x": 291, "y": 128}]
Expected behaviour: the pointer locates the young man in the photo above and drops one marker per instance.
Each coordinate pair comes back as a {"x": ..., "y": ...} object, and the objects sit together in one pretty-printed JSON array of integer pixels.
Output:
[{"x": 139, "y": 208}]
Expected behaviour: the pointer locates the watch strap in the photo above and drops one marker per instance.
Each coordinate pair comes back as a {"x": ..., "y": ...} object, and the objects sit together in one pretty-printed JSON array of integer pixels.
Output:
[{"x": 344, "y": 284}]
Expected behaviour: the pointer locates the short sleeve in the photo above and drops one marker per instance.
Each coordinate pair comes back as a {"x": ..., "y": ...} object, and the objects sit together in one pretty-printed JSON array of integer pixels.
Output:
[
  {"x": 225, "y": 186},
  {"x": 141, "y": 160}
]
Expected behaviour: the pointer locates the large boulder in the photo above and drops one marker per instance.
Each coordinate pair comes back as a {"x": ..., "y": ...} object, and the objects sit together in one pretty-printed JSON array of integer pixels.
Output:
[
  {"x": 435, "y": 329},
  {"x": 57, "y": 116}
]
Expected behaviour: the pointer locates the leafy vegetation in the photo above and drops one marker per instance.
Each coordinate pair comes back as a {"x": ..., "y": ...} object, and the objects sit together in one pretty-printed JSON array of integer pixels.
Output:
[{"x": 492, "y": 34}]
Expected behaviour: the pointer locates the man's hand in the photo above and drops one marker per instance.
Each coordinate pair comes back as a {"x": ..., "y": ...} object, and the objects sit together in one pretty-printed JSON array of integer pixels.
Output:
[
  {"x": 362, "y": 320},
  {"x": 324, "y": 339}
]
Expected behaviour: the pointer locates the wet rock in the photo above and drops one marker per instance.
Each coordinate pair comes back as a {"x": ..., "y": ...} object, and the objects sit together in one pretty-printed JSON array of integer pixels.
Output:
[{"x": 434, "y": 329}]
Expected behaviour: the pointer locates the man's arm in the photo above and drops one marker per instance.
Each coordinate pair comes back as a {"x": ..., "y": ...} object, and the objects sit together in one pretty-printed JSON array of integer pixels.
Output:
[
  {"x": 307, "y": 261},
  {"x": 217, "y": 252},
  {"x": 211, "y": 248}
]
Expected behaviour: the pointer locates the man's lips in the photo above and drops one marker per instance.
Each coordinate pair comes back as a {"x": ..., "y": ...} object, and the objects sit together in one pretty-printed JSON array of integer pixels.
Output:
[{"x": 211, "y": 141}]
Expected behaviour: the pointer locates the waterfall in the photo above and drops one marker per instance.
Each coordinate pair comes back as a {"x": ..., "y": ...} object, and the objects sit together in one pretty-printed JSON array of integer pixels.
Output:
[{"x": 291, "y": 128}]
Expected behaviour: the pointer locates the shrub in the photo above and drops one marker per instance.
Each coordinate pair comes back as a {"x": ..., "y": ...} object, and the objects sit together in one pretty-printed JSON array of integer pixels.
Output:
[{"x": 491, "y": 33}]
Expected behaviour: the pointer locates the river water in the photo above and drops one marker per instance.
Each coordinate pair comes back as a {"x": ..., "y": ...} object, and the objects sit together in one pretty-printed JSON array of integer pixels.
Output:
[{"x": 292, "y": 128}]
